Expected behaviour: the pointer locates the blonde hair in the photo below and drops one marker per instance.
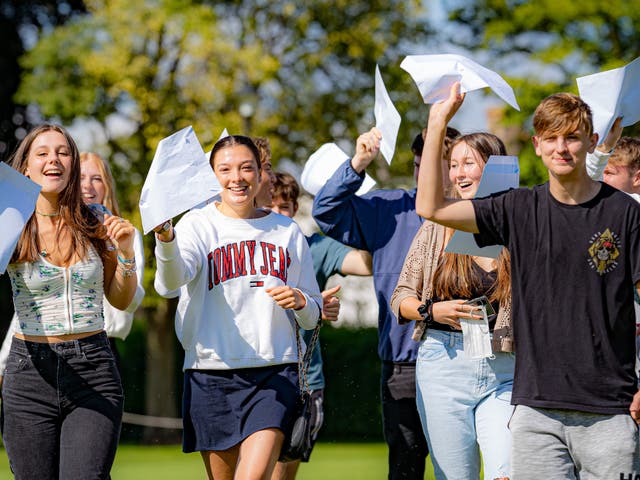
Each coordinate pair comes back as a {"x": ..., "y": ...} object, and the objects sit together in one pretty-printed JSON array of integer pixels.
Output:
[
  {"x": 110, "y": 201},
  {"x": 562, "y": 113},
  {"x": 627, "y": 153}
]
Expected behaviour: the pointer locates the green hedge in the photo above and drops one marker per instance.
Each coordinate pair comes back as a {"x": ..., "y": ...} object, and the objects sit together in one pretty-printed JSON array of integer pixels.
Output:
[{"x": 352, "y": 392}]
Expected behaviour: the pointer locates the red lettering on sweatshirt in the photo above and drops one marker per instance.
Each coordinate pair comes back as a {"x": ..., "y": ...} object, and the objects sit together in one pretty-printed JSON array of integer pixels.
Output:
[{"x": 238, "y": 259}]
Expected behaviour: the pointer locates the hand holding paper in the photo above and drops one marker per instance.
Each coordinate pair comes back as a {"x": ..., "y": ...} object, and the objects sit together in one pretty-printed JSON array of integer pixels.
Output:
[
  {"x": 445, "y": 110},
  {"x": 434, "y": 75},
  {"x": 609, "y": 142},
  {"x": 367, "y": 148},
  {"x": 612, "y": 94}
]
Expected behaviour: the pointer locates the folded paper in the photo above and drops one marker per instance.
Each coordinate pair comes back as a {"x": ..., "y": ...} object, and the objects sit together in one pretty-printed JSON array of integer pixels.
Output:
[
  {"x": 179, "y": 178},
  {"x": 612, "y": 94},
  {"x": 387, "y": 118},
  {"x": 434, "y": 75},
  {"x": 18, "y": 196}
]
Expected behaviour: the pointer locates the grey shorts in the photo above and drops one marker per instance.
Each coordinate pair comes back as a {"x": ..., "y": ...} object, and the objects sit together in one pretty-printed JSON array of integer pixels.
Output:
[{"x": 567, "y": 444}]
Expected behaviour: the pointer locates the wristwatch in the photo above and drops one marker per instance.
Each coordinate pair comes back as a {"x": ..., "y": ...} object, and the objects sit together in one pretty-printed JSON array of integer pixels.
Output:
[
  {"x": 426, "y": 310},
  {"x": 165, "y": 227}
]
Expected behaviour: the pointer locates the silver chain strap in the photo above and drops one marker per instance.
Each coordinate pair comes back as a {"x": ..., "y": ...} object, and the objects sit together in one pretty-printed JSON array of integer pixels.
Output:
[{"x": 305, "y": 360}]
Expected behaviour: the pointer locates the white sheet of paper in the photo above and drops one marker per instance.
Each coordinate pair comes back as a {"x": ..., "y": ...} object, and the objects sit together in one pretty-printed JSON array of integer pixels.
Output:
[
  {"x": 322, "y": 164},
  {"x": 500, "y": 173},
  {"x": 217, "y": 187},
  {"x": 179, "y": 178},
  {"x": 18, "y": 196},
  {"x": 611, "y": 94},
  {"x": 387, "y": 118},
  {"x": 434, "y": 75}
]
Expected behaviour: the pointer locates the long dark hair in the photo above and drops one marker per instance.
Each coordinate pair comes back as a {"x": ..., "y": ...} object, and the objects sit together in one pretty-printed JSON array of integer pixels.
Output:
[
  {"x": 83, "y": 227},
  {"x": 454, "y": 276}
]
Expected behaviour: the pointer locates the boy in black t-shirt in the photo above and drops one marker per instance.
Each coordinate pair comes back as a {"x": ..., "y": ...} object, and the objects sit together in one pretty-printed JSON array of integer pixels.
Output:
[{"x": 575, "y": 254}]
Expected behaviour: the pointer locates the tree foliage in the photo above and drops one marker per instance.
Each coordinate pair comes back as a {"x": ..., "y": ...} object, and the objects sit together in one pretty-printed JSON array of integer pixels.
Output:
[
  {"x": 301, "y": 73},
  {"x": 304, "y": 72},
  {"x": 544, "y": 45},
  {"x": 20, "y": 21}
]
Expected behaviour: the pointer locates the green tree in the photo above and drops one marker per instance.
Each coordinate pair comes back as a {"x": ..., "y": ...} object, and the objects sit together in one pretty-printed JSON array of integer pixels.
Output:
[
  {"x": 301, "y": 75},
  {"x": 544, "y": 45}
]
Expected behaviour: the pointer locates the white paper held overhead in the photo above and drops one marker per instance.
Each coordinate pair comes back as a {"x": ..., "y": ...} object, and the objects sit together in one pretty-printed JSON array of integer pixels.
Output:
[
  {"x": 434, "y": 75},
  {"x": 612, "y": 94},
  {"x": 387, "y": 118}
]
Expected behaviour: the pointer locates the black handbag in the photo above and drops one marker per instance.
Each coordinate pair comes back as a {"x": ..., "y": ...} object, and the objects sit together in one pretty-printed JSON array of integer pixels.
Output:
[{"x": 297, "y": 443}]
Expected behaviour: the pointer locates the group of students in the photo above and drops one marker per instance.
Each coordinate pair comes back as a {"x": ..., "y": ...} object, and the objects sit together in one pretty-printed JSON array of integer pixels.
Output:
[{"x": 250, "y": 283}]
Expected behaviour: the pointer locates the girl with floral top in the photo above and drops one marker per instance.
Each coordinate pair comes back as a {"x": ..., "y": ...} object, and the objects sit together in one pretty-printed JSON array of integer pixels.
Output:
[{"x": 62, "y": 395}]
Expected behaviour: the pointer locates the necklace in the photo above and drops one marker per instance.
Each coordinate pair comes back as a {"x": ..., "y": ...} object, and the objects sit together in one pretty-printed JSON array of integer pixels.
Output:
[
  {"x": 55, "y": 214},
  {"x": 44, "y": 252}
]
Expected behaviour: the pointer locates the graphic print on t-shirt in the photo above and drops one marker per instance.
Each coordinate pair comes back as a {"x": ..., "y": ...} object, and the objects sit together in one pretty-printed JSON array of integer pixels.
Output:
[{"x": 604, "y": 251}]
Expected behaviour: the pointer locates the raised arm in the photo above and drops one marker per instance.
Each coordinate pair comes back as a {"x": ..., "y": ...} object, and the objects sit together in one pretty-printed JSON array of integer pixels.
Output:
[
  {"x": 367, "y": 148},
  {"x": 597, "y": 161},
  {"x": 337, "y": 210},
  {"x": 431, "y": 202},
  {"x": 178, "y": 254}
]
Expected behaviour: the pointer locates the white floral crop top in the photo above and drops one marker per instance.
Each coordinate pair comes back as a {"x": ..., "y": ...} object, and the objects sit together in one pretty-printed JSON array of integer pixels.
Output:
[{"x": 52, "y": 300}]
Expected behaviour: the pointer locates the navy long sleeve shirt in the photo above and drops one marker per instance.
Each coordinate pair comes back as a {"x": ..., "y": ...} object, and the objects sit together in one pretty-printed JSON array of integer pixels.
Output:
[{"x": 382, "y": 222}]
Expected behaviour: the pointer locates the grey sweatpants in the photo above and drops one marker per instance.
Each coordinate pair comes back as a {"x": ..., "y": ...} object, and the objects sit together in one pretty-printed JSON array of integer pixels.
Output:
[{"x": 567, "y": 444}]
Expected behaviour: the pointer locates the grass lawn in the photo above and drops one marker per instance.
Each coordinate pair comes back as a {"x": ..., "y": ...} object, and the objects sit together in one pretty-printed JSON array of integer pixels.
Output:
[{"x": 330, "y": 461}]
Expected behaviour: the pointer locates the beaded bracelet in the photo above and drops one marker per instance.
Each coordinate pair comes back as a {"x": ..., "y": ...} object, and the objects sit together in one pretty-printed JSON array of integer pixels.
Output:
[
  {"x": 126, "y": 261},
  {"x": 127, "y": 266},
  {"x": 127, "y": 271}
]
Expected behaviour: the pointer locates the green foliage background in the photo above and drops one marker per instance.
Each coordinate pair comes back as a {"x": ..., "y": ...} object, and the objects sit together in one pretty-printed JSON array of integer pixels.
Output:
[{"x": 542, "y": 46}]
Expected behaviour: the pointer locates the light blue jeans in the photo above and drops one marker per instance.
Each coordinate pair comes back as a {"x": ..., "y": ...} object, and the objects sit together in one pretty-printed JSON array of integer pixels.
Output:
[{"x": 464, "y": 407}]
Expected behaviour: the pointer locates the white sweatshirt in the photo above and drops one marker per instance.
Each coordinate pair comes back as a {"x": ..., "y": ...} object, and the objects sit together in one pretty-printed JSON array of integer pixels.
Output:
[
  {"x": 226, "y": 319},
  {"x": 117, "y": 323}
]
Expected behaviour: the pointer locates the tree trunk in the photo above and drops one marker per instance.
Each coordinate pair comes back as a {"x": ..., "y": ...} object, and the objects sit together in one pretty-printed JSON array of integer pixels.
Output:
[{"x": 160, "y": 380}]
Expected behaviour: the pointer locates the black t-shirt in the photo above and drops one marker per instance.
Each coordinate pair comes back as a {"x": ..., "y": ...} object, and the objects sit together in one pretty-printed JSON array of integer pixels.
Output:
[{"x": 573, "y": 268}]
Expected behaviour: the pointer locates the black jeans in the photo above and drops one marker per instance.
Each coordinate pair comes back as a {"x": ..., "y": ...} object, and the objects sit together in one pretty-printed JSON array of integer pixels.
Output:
[
  {"x": 402, "y": 428},
  {"x": 61, "y": 409}
]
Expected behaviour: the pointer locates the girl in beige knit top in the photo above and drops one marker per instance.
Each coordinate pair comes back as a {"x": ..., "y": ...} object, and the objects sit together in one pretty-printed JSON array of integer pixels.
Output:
[{"x": 464, "y": 403}]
